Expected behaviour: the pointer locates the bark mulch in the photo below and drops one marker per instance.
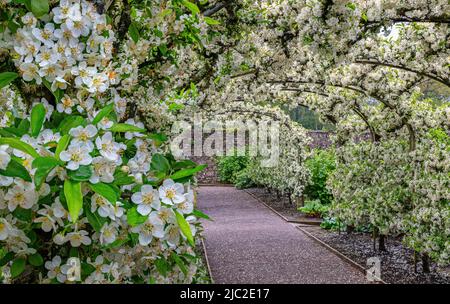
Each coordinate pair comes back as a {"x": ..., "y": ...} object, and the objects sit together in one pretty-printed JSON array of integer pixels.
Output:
[{"x": 397, "y": 263}]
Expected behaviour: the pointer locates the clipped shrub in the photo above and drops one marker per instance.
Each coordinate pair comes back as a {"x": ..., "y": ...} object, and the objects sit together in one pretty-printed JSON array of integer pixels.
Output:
[
  {"x": 320, "y": 165},
  {"x": 229, "y": 167},
  {"x": 244, "y": 180}
]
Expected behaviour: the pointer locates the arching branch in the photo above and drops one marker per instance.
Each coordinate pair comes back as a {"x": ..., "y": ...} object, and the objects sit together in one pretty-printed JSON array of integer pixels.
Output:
[
  {"x": 216, "y": 8},
  {"x": 373, "y": 134},
  {"x": 391, "y": 65}
]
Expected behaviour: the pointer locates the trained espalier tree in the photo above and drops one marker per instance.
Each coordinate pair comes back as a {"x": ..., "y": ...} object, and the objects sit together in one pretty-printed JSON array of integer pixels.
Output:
[{"x": 360, "y": 65}]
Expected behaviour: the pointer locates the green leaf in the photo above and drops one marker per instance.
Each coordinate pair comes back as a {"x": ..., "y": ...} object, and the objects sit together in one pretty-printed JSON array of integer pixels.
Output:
[
  {"x": 364, "y": 17},
  {"x": 134, "y": 218},
  {"x": 121, "y": 127},
  {"x": 10, "y": 132},
  {"x": 69, "y": 123},
  {"x": 117, "y": 243},
  {"x": 44, "y": 166},
  {"x": 122, "y": 179},
  {"x": 62, "y": 145},
  {"x": 45, "y": 162},
  {"x": 74, "y": 198},
  {"x": 211, "y": 21},
  {"x": 187, "y": 172},
  {"x": 163, "y": 49},
  {"x": 103, "y": 112},
  {"x": 160, "y": 163},
  {"x": 191, "y": 6},
  {"x": 6, "y": 78},
  {"x": 133, "y": 32},
  {"x": 16, "y": 169},
  {"x": 83, "y": 174},
  {"x": 39, "y": 7},
  {"x": 73, "y": 252},
  {"x": 19, "y": 145},
  {"x": 200, "y": 214},
  {"x": 95, "y": 220},
  {"x": 37, "y": 119},
  {"x": 106, "y": 191},
  {"x": 17, "y": 267},
  {"x": 184, "y": 227},
  {"x": 40, "y": 176},
  {"x": 351, "y": 6},
  {"x": 179, "y": 262},
  {"x": 162, "y": 266},
  {"x": 23, "y": 127},
  {"x": 184, "y": 164},
  {"x": 36, "y": 259},
  {"x": 25, "y": 215},
  {"x": 6, "y": 258},
  {"x": 157, "y": 138},
  {"x": 86, "y": 269}
]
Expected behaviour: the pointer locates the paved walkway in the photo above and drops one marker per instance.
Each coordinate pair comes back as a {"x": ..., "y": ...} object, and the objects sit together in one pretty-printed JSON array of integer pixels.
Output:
[{"x": 248, "y": 243}]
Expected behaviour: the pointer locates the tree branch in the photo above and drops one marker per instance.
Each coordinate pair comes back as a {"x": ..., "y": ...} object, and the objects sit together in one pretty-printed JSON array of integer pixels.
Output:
[
  {"x": 387, "y": 64},
  {"x": 211, "y": 11}
]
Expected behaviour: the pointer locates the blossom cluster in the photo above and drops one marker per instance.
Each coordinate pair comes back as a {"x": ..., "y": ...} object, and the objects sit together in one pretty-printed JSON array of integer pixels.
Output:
[
  {"x": 125, "y": 216},
  {"x": 80, "y": 177},
  {"x": 74, "y": 47}
]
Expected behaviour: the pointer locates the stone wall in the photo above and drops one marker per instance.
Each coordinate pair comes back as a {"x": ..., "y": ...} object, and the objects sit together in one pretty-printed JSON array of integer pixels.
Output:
[{"x": 209, "y": 175}]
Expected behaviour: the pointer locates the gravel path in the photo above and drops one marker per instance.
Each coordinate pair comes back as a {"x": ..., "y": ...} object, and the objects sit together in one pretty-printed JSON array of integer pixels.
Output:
[{"x": 248, "y": 243}]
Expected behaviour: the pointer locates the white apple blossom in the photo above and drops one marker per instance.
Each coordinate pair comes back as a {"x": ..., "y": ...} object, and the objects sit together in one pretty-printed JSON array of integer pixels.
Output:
[
  {"x": 171, "y": 193},
  {"x": 46, "y": 57},
  {"x": 30, "y": 72},
  {"x": 152, "y": 228},
  {"x": 22, "y": 195},
  {"x": 82, "y": 136},
  {"x": 5, "y": 158},
  {"x": 103, "y": 170},
  {"x": 45, "y": 35},
  {"x": 108, "y": 233},
  {"x": 4, "y": 229},
  {"x": 108, "y": 148},
  {"x": 84, "y": 74},
  {"x": 102, "y": 205},
  {"x": 54, "y": 269},
  {"x": 97, "y": 83},
  {"x": 59, "y": 83},
  {"x": 187, "y": 206},
  {"x": 172, "y": 234},
  {"x": 166, "y": 215},
  {"x": 77, "y": 238},
  {"x": 76, "y": 156},
  {"x": 147, "y": 200}
]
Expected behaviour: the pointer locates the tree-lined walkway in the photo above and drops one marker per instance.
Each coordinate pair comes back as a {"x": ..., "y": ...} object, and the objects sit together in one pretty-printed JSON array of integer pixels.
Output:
[{"x": 248, "y": 243}]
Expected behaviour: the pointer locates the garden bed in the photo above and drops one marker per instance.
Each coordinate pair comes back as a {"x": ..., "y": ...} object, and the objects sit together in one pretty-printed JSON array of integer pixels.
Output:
[{"x": 397, "y": 264}]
